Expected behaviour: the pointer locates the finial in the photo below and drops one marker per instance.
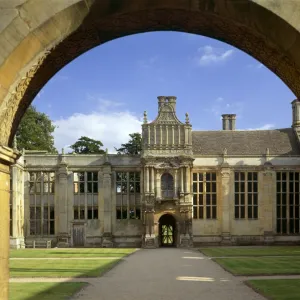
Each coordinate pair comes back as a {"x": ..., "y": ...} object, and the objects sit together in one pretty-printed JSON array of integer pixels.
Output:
[
  {"x": 62, "y": 151},
  {"x": 23, "y": 151},
  {"x": 187, "y": 118},
  {"x": 15, "y": 145},
  {"x": 145, "y": 117},
  {"x": 267, "y": 151}
]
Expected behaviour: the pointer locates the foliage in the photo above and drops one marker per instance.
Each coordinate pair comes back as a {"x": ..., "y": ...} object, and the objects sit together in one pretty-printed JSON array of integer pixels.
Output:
[
  {"x": 134, "y": 145},
  {"x": 35, "y": 132},
  {"x": 86, "y": 145}
]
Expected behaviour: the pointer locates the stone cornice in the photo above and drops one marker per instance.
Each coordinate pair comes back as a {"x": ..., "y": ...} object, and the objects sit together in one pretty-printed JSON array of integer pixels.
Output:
[{"x": 8, "y": 156}]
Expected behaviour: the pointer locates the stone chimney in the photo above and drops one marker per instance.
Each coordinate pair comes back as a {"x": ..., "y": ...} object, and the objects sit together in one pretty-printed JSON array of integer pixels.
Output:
[
  {"x": 296, "y": 113},
  {"x": 228, "y": 121},
  {"x": 161, "y": 101},
  {"x": 172, "y": 101}
]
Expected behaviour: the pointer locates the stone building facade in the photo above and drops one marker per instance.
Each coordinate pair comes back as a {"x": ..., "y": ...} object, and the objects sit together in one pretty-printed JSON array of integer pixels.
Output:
[{"x": 186, "y": 188}]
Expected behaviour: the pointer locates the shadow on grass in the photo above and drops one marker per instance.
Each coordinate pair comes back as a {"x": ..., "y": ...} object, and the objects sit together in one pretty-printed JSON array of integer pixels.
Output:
[{"x": 58, "y": 290}]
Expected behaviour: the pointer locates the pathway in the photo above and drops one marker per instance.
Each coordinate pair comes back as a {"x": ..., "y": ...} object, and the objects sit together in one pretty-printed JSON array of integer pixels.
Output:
[{"x": 167, "y": 274}]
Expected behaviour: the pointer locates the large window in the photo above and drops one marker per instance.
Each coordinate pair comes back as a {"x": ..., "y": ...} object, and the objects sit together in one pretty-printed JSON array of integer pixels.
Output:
[
  {"x": 167, "y": 186},
  {"x": 246, "y": 195},
  {"x": 85, "y": 195},
  {"x": 42, "y": 215},
  {"x": 205, "y": 195},
  {"x": 128, "y": 188},
  {"x": 287, "y": 202}
]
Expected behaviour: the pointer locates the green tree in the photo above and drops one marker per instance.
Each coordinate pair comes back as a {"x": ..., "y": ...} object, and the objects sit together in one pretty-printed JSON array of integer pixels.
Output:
[
  {"x": 35, "y": 131},
  {"x": 134, "y": 145},
  {"x": 86, "y": 145}
]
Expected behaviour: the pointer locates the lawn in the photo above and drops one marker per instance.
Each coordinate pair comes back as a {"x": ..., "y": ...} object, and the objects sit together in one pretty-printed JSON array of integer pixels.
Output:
[
  {"x": 44, "y": 291},
  {"x": 59, "y": 252},
  {"x": 252, "y": 251},
  {"x": 260, "y": 265},
  {"x": 60, "y": 267},
  {"x": 277, "y": 289}
]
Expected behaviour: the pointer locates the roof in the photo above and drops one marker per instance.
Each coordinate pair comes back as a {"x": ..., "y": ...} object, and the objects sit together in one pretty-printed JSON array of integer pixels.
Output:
[{"x": 246, "y": 142}]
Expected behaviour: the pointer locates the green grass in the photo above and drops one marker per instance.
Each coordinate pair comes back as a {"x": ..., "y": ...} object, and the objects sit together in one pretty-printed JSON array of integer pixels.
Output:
[
  {"x": 277, "y": 289},
  {"x": 260, "y": 265},
  {"x": 60, "y": 267},
  {"x": 252, "y": 251},
  {"x": 58, "y": 252},
  {"x": 44, "y": 291}
]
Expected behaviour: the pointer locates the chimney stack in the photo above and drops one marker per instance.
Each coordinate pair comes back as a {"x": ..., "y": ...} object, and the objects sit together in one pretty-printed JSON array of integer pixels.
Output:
[
  {"x": 161, "y": 101},
  {"x": 229, "y": 121},
  {"x": 172, "y": 101},
  {"x": 296, "y": 113}
]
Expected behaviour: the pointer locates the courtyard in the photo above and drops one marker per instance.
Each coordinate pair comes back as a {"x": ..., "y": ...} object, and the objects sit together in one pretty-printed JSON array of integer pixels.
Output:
[{"x": 164, "y": 273}]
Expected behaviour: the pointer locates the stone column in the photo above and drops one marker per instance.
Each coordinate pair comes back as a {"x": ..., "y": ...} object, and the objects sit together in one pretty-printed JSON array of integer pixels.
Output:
[
  {"x": 147, "y": 179},
  {"x": 266, "y": 205},
  {"x": 181, "y": 173},
  {"x": 158, "y": 185},
  {"x": 107, "y": 207},
  {"x": 173, "y": 136},
  {"x": 161, "y": 135},
  {"x": 187, "y": 179},
  {"x": 152, "y": 179},
  {"x": 154, "y": 130},
  {"x": 7, "y": 158},
  {"x": 62, "y": 197},
  {"x": 17, "y": 194},
  {"x": 225, "y": 196},
  {"x": 179, "y": 141},
  {"x": 167, "y": 135},
  {"x": 175, "y": 185}
]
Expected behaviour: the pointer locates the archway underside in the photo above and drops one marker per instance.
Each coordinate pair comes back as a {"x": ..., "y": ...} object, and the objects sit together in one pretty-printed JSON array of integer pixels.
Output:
[{"x": 243, "y": 24}]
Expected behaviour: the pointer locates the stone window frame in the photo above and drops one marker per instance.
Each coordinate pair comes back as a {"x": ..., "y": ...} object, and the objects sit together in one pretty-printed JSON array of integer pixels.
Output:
[
  {"x": 85, "y": 192},
  {"x": 42, "y": 223},
  {"x": 287, "y": 186},
  {"x": 246, "y": 187},
  {"x": 126, "y": 187},
  {"x": 205, "y": 200}
]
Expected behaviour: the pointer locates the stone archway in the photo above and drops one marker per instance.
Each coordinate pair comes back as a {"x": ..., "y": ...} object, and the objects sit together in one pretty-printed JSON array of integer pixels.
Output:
[
  {"x": 167, "y": 231},
  {"x": 38, "y": 38}
]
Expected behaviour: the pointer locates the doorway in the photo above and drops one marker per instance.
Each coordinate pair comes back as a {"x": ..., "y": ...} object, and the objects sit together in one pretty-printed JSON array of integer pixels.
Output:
[{"x": 167, "y": 231}]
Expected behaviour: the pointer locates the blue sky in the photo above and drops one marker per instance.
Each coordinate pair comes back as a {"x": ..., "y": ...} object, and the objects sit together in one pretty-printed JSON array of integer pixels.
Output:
[{"x": 103, "y": 93}]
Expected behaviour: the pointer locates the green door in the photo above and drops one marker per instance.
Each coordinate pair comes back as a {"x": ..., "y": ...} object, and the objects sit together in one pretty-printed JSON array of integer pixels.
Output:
[{"x": 167, "y": 235}]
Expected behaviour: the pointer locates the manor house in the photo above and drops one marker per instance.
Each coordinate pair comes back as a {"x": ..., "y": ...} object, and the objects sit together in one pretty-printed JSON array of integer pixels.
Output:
[{"x": 186, "y": 188}]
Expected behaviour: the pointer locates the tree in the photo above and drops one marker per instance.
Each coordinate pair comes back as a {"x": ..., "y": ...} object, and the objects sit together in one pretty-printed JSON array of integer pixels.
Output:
[
  {"x": 86, "y": 145},
  {"x": 134, "y": 145},
  {"x": 35, "y": 131}
]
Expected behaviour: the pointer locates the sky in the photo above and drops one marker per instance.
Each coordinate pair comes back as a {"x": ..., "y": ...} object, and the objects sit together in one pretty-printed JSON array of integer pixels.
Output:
[{"x": 103, "y": 93}]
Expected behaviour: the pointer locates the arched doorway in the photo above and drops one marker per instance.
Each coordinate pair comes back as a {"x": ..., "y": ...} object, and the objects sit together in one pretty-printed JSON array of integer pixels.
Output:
[{"x": 167, "y": 231}]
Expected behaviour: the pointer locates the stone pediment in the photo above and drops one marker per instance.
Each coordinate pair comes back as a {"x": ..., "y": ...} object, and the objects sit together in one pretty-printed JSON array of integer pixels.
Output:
[
  {"x": 167, "y": 165},
  {"x": 167, "y": 116}
]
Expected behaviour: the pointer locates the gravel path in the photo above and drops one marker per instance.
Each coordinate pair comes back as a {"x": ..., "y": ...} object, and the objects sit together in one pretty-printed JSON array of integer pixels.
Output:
[{"x": 167, "y": 274}]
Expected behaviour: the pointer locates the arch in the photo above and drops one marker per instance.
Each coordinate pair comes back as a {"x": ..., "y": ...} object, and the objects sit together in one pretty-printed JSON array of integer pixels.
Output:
[
  {"x": 54, "y": 35},
  {"x": 167, "y": 230}
]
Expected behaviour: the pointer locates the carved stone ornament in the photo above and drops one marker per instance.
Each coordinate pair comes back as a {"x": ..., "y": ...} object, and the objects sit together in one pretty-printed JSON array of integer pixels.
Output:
[{"x": 225, "y": 174}]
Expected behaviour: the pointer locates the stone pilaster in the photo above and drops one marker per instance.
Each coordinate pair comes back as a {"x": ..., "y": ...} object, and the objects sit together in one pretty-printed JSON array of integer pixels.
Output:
[
  {"x": 7, "y": 158},
  {"x": 225, "y": 196},
  {"x": 267, "y": 206},
  {"x": 107, "y": 209},
  {"x": 17, "y": 195},
  {"x": 62, "y": 197},
  {"x": 158, "y": 185}
]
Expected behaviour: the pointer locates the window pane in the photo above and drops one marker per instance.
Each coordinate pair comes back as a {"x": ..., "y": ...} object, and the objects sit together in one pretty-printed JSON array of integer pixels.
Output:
[
  {"x": 200, "y": 176},
  {"x": 194, "y": 176},
  {"x": 195, "y": 202},
  {"x": 208, "y": 212},
  {"x": 214, "y": 212},
  {"x": 95, "y": 187},
  {"x": 89, "y": 187},
  {"x": 194, "y": 187},
  {"x": 195, "y": 215}
]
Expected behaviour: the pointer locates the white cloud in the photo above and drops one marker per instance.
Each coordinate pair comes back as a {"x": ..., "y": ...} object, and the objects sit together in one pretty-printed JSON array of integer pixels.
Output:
[
  {"x": 219, "y": 107},
  {"x": 147, "y": 63},
  {"x": 210, "y": 55},
  {"x": 264, "y": 127},
  {"x": 112, "y": 128}
]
